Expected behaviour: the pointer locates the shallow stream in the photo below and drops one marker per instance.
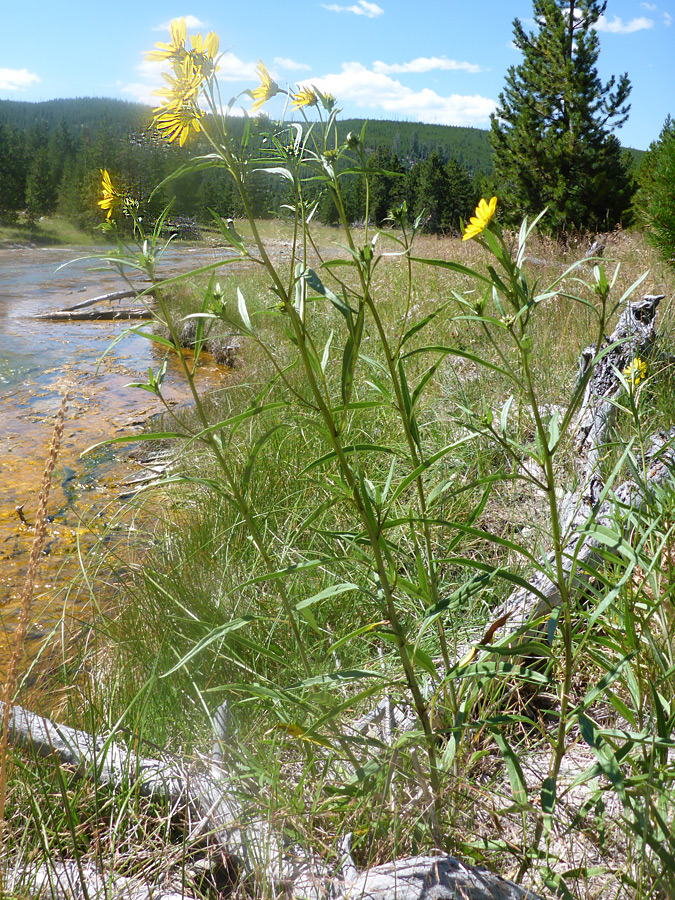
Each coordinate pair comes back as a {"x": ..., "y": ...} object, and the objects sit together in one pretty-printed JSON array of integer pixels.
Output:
[{"x": 39, "y": 362}]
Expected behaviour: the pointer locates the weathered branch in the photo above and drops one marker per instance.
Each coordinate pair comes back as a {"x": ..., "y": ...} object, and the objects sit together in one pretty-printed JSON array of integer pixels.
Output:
[
  {"x": 102, "y": 298},
  {"x": 87, "y": 315},
  {"x": 632, "y": 338},
  {"x": 207, "y": 798},
  {"x": 82, "y": 311}
]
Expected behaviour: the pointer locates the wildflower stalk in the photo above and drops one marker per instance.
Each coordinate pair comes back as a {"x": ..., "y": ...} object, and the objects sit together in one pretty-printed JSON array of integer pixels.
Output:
[
  {"x": 317, "y": 156},
  {"x": 39, "y": 535}
]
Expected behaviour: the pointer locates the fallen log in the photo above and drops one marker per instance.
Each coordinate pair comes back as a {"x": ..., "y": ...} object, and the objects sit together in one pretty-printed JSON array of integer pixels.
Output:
[
  {"x": 59, "y": 315},
  {"x": 206, "y": 796},
  {"x": 633, "y": 338},
  {"x": 82, "y": 310}
]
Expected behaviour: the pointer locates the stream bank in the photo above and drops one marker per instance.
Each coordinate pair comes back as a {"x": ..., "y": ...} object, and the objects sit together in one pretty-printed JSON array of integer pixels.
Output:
[{"x": 40, "y": 361}]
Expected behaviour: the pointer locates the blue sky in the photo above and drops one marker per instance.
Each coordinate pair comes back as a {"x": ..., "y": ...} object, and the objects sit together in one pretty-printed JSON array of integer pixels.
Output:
[{"x": 384, "y": 59}]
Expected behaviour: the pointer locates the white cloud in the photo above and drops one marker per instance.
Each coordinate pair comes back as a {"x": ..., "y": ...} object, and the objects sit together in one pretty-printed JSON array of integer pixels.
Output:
[
  {"x": 360, "y": 8},
  {"x": 231, "y": 68},
  {"x": 17, "y": 79},
  {"x": 618, "y": 26},
  {"x": 652, "y": 7},
  {"x": 190, "y": 22},
  {"x": 667, "y": 19},
  {"x": 425, "y": 64},
  {"x": 284, "y": 63},
  {"x": 374, "y": 90}
]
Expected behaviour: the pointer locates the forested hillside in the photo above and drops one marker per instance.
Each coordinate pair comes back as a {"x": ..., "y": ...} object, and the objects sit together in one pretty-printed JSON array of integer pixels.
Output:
[{"x": 51, "y": 154}]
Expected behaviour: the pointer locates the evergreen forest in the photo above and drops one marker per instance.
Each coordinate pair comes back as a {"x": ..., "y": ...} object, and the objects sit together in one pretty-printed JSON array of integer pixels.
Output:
[{"x": 52, "y": 153}]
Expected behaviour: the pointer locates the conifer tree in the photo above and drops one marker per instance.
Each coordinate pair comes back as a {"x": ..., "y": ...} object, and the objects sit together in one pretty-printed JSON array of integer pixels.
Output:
[
  {"x": 655, "y": 199},
  {"x": 12, "y": 172},
  {"x": 432, "y": 188},
  {"x": 552, "y": 130},
  {"x": 387, "y": 186}
]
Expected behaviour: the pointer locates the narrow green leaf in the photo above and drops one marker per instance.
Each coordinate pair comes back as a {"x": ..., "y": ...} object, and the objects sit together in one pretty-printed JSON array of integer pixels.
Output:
[
  {"x": 498, "y": 670},
  {"x": 326, "y": 352},
  {"x": 452, "y": 266},
  {"x": 548, "y": 794},
  {"x": 253, "y": 454},
  {"x": 243, "y": 311},
  {"x": 353, "y": 448},
  {"x": 341, "y": 676},
  {"x": 514, "y": 770},
  {"x": 418, "y": 326},
  {"x": 217, "y": 634},
  {"x": 332, "y": 591}
]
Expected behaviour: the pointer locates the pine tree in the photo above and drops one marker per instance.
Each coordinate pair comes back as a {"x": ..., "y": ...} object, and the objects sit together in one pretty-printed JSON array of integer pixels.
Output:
[
  {"x": 655, "y": 199},
  {"x": 12, "y": 173},
  {"x": 432, "y": 188},
  {"x": 551, "y": 133},
  {"x": 462, "y": 196},
  {"x": 40, "y": 189},
  {"x": 386, "y": 185}
]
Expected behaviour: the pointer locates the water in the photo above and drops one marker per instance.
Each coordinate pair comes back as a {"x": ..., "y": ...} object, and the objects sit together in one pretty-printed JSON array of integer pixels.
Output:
[{"x": 39, "y": 362}]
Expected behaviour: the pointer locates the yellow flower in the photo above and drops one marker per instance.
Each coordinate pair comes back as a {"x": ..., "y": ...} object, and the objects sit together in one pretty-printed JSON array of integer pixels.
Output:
[
  {"x": 184, "y": 85},
  {"x": 110, "y": 197},
  {"x": 204, "y": 52},
  {"x": 305, "y": 97},
  {"x": 636, "y": 371},
  {"x": 268, "y": 87},
  {"x": 206, "y": 46},
  {"x": 484, "y": 213},
  {"x": 176, "y": 119},
  {"x": 174, "y": 50}
]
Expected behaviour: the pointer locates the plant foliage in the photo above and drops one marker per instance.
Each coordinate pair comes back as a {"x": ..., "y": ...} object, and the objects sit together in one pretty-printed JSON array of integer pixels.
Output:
[{"x": 655, "y": 200}]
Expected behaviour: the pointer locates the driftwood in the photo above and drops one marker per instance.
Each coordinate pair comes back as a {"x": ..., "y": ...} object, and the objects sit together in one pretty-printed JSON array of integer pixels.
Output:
[
  {"x": 207, "y": 797},
  {"x": 632, "y": 338},
  {"x": 102, "y": 298},
  {"x": 82, "y": 311},
  {"x": 88, "y": 315}
]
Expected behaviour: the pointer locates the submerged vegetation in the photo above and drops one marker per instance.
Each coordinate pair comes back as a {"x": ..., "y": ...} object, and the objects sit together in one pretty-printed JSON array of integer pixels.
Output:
[{"x": 342, "y": 524}]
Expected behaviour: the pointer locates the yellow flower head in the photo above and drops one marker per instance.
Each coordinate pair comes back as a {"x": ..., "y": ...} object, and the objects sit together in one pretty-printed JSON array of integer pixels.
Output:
[
  {"x": 484, "y": 213},
  {"x": 268, "y": 87},
  {"x": 305, "y": 97},
  {"x": 204, "y": 51},
  {"x": 207, "y": 46},
  {"x": 110, "y": 198},
  {"x": 184, "y": 84},
  {"x": 175, "y": 120},
  {"x": 328, "y": 101},
  {"x": 174, "y": 50},
  {"x": 636, "y": 371}
]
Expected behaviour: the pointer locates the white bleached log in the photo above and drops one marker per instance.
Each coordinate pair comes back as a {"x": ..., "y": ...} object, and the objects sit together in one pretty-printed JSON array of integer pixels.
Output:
[
  {"x": 208, "y": 799},
  {"x": 632, "y": 338}
]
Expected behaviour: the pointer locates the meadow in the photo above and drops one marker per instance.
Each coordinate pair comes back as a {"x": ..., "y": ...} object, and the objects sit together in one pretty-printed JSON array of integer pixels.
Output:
[{"x": 338, "y": 526}]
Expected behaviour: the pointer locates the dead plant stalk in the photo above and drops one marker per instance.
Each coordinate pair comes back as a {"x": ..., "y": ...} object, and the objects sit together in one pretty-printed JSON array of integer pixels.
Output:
[{"x": 40, "y": 532}]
